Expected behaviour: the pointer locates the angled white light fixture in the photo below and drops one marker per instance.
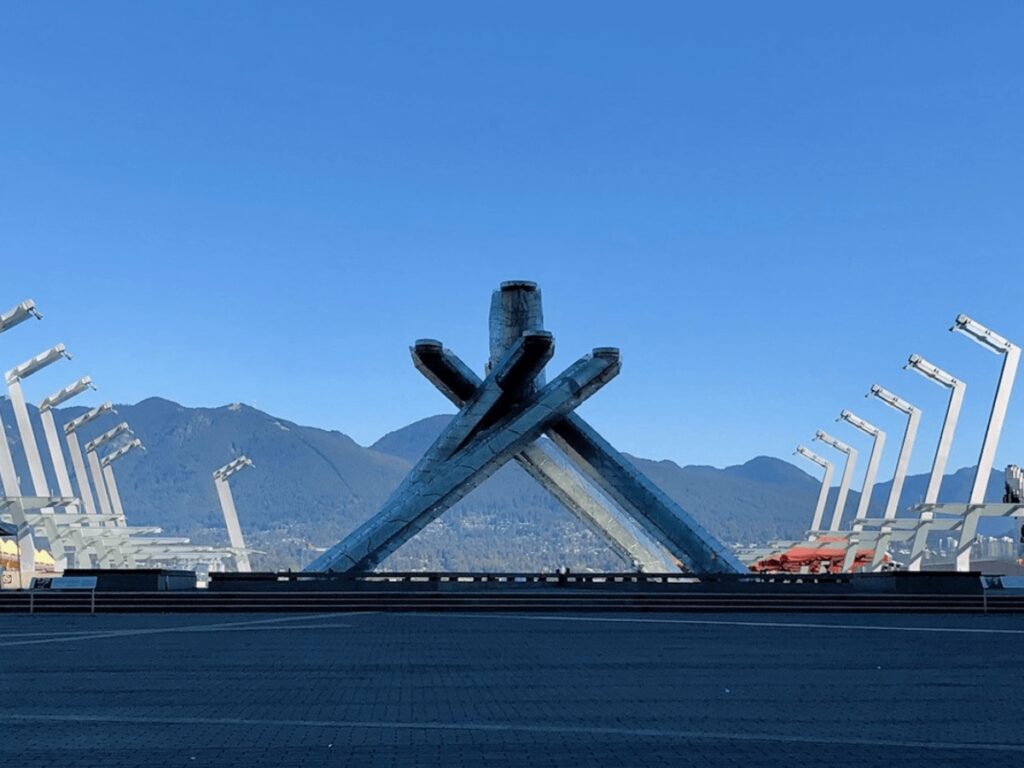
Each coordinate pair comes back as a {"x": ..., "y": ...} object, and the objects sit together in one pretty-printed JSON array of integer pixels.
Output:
[
  {"x": 826, "y": 483},
  {"x": 227, "y": 505},
  {"x": 995, "y": 343},
  {"x": 844, "y": 481},
  {"x": 877, "y": 445},
  {"x": 913, "y": 415}
]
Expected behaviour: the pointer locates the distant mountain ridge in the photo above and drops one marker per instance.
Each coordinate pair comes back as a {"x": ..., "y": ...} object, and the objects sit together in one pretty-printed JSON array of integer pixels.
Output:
[{"x": 310, "y": 487}]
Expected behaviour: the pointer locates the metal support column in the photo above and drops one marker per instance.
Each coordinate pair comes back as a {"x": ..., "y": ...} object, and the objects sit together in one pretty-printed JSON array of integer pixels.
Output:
[
  {"x": 957, "y": 389},
  {"x": 844, "y": 482},
  {"x": 877, "y": 444},
  {"x": 8, "y": 475},
  {"x": 77, "y": 457},
  {"x": 913, "y": 415},
  {"x": 227, "y": 506},
  {"x": 1011, "y": 359},
  {"x": 826, "y": 483}
]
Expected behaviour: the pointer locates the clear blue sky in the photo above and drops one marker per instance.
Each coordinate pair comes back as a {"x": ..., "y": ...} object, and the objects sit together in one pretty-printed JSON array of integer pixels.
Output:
[{"x": 766, "y": 206}]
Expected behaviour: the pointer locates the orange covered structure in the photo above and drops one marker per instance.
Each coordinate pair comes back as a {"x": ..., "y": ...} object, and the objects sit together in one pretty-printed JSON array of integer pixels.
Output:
[{"x": 824, "y": 555}]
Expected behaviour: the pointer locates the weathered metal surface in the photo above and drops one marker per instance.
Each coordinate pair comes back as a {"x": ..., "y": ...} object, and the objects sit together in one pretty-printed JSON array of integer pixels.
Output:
[{"x": 499, "y": 419}]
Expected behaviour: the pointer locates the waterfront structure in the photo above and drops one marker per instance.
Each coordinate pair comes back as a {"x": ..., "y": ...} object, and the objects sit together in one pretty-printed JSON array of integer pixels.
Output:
[
  {"x": 8, "y": 476},
  {"x": 844, "y": 480},
  {"x": 1010, "y": 353},
  {"x": 46, "y": 406},
  {"x": 957, "y": 388},
  {"x": 227, "y": 506},
  {"x": 500, "y": 417},
  {"x": 60, "y": 467},
  {"x": 77, "y": 457},
  {"x": 102, "y": 492},
  {"x": 13, "y": 379},
  {"x": 826, "y": 483},
  {"x": 107, "y": 465},
  {"x": 877, "y": 445}
]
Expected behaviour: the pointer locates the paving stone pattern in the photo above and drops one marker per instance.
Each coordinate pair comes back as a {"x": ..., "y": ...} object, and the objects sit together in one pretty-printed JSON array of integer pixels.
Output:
[{"x": 486, "y": 690}]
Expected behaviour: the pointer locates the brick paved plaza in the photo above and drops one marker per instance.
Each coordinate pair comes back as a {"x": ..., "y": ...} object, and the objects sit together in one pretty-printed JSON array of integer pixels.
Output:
[{"x": 490, "y": 690}]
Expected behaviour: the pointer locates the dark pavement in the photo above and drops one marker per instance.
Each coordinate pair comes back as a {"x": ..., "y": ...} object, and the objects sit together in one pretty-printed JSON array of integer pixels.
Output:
[{"x": 489, "y": 690}]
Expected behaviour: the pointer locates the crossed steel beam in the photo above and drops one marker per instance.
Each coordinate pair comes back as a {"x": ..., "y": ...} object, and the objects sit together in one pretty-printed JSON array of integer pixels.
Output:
[{"x": 501, "y": 418}]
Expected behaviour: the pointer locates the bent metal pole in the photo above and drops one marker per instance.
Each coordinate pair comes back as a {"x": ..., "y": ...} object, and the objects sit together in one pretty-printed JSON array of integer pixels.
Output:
[
  {"x": 844, "y": 481},
  {"x": 826, "y": 483}
]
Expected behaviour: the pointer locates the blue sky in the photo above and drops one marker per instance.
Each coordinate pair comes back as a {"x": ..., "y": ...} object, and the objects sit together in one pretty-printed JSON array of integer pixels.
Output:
[{"x": 766, "y": 206}]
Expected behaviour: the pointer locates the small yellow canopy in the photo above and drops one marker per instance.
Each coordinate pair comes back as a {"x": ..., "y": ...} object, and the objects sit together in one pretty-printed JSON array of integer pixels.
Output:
[{"x": 44, "y": 558}]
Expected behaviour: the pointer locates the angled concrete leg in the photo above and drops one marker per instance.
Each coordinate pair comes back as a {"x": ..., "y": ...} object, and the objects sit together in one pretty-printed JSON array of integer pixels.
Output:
[
  {"x": 424, "y": 501},
  {"x": 505, "y": 384},
  {"x": 569, "y": 489},
  {"x": 612, "y": 472},
  {"x": 658, "y": 516},
  {"x": 515, "y": 309},
  {"x": 457, "y": 382},
  {"x": 499, "y": 419}
]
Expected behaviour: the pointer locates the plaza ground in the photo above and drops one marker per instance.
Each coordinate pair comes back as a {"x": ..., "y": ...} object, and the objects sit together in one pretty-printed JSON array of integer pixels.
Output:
[{"x": 447, "y": 689}]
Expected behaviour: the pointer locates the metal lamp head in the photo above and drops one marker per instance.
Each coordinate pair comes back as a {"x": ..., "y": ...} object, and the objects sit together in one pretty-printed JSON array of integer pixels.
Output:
[
  {"x": 40, "y": 361},
  {"x": 977, "y": 332},
  {"x": 124, "y": 450},
  {"x": 107, "y": 436},
  {"x": 812, "y": 456},
  {"x": 893, "y": 401},
  {"x": 67, "y": 393},
  {"x": 88, "y": 416},
  {"x": 236, "y": 465},
  {"x": 864, "y": 426},
  {"x": 931, "y": 372},
  {"x": 19, "y": 314},
  {"x": 827, "y": 439}
]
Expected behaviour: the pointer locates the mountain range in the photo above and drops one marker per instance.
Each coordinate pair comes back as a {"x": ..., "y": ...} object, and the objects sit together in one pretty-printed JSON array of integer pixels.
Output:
[{"x": 311, "y": 486}]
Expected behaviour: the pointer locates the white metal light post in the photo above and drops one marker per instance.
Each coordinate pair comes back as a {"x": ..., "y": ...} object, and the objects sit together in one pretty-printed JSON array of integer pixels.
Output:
[
  {"x": 46, "y": 406},
  {"x": 913, "y": 415},
  {"x": 108, "y": 475},
  {"x": 77, "y": 458},
  {"x": 102, "y": 493},
  {"x": 844, "y": 482},
  {"x": 14, "y": 377},
  {"x": 8, "y": 475},
  {"x": 1011, "y": 359},
  {"x": 227, "y": 505},
  {"x": 60, "y": 467},
  {"x": 826, "y": 483},
  {"x": 878, "y": 443},
  {"x": 19, "y": 314},
  {"x": 957, "y": 389}
]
